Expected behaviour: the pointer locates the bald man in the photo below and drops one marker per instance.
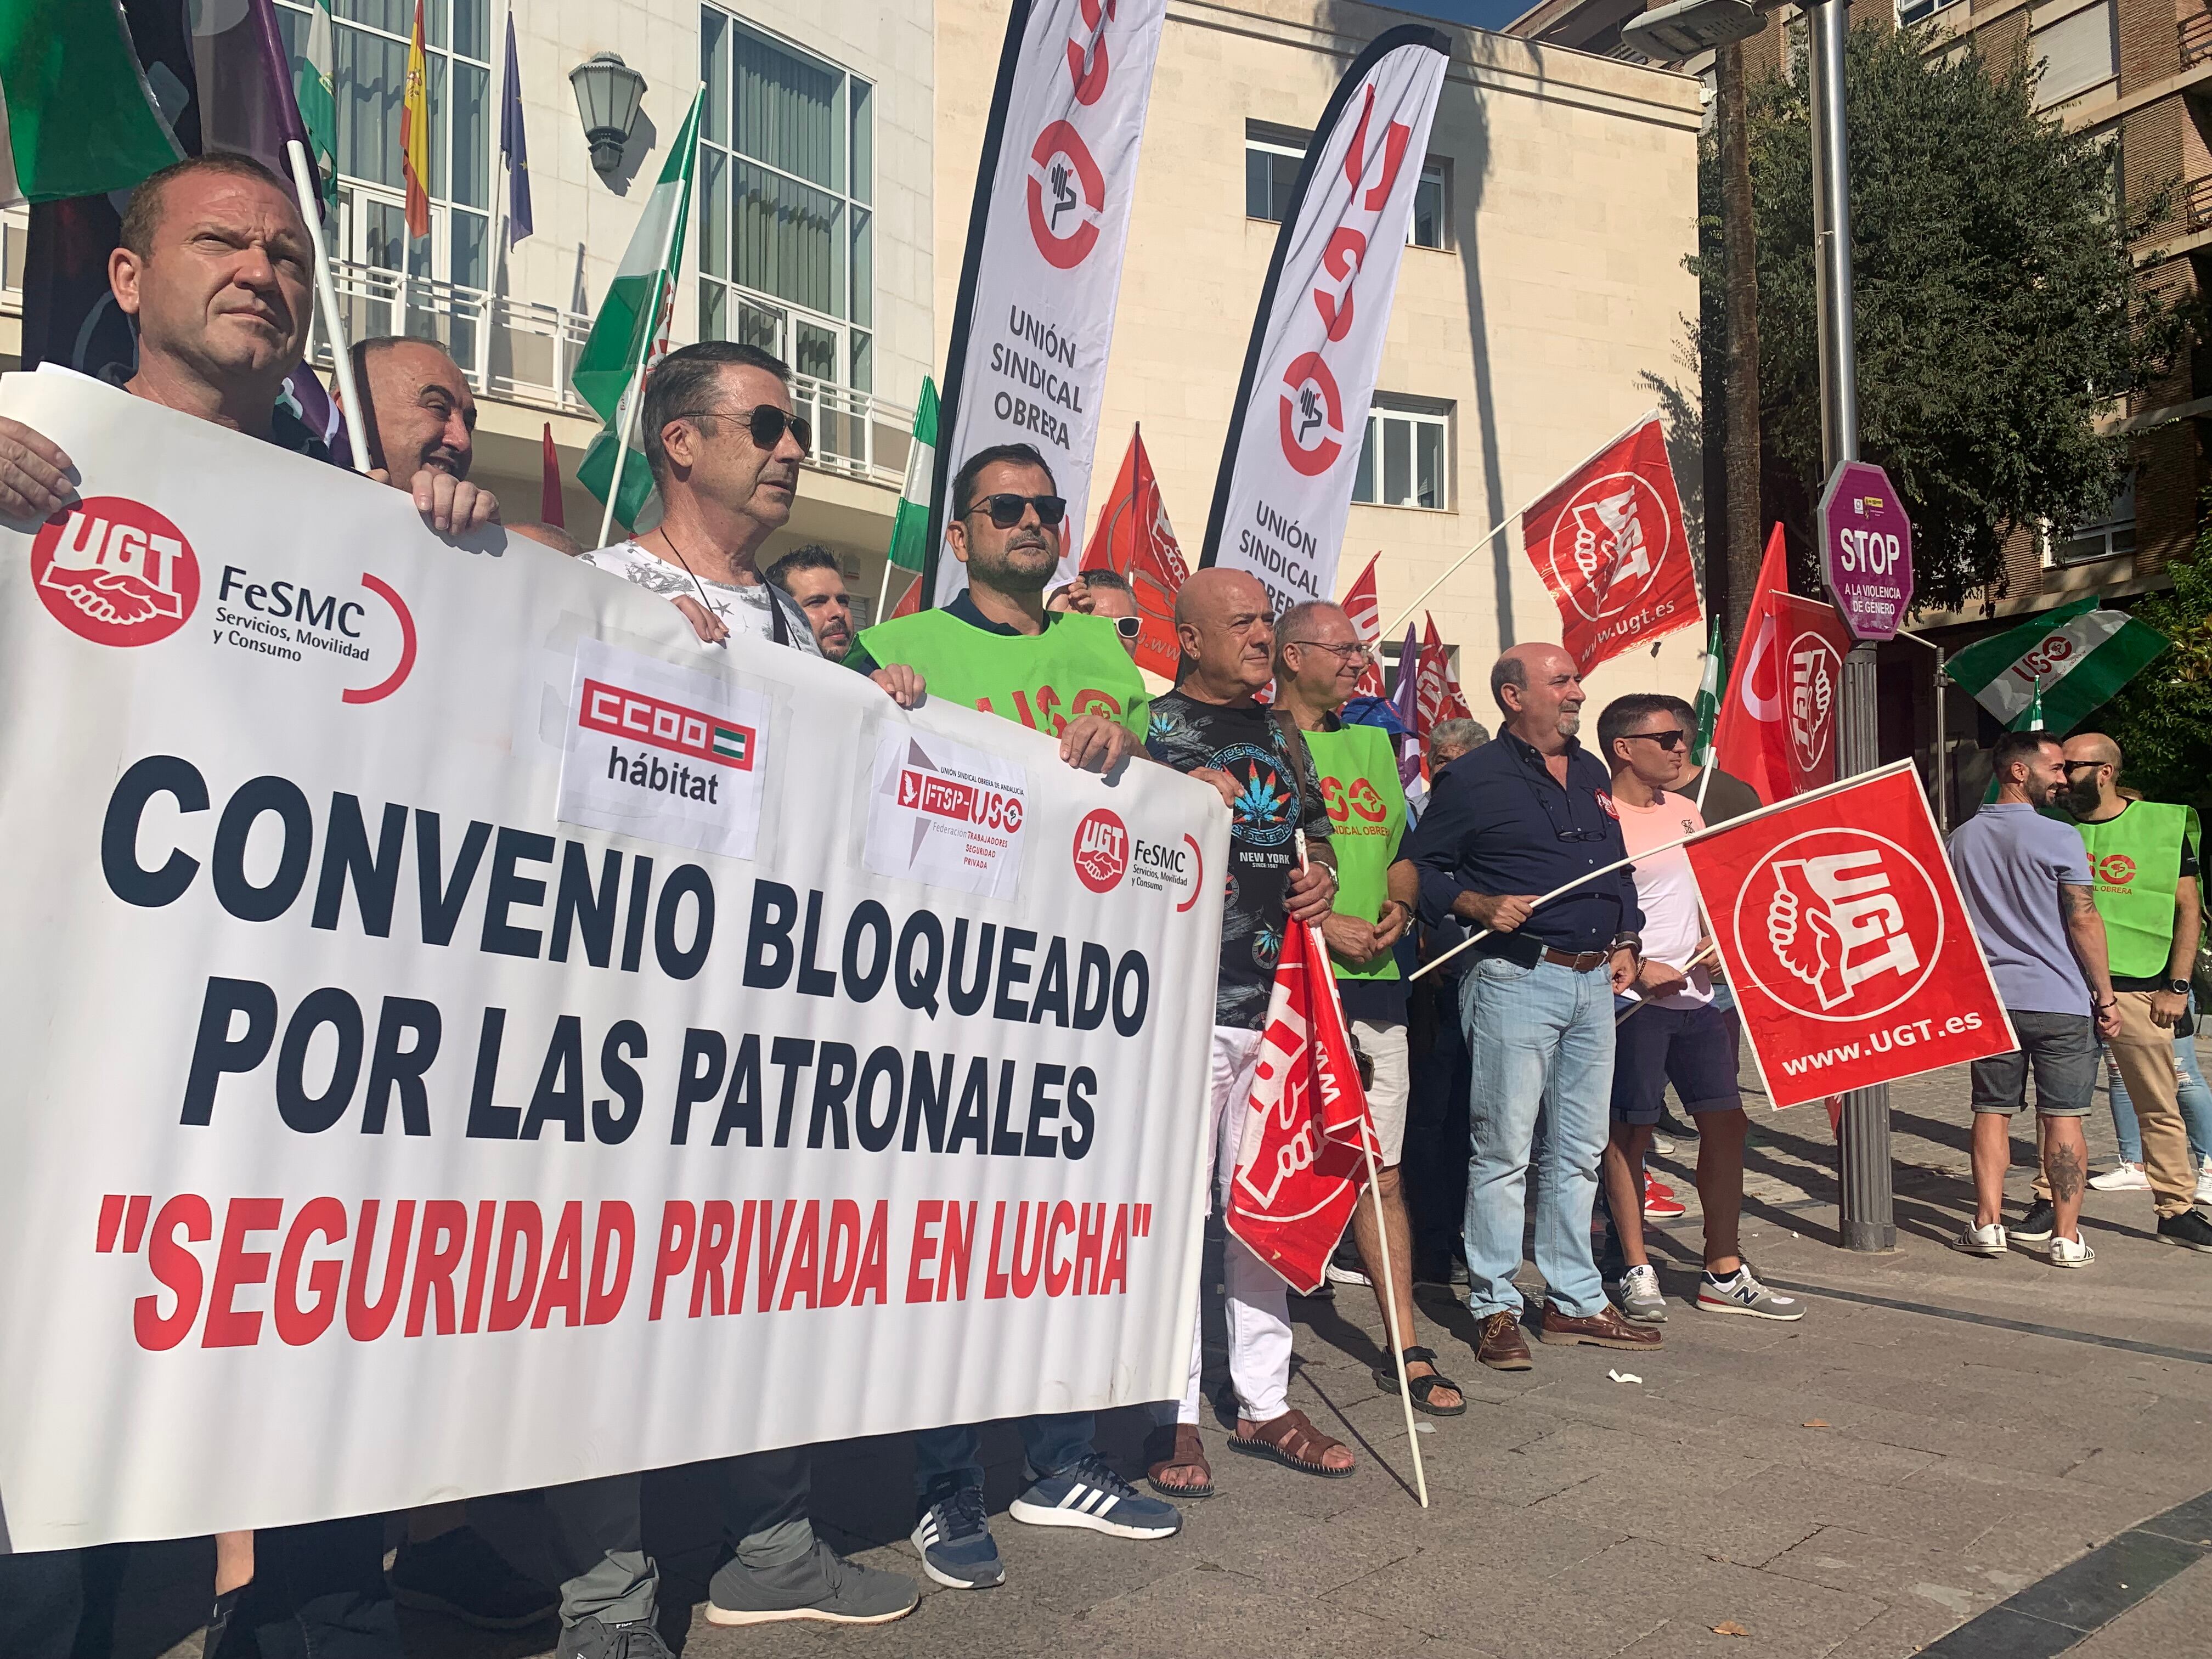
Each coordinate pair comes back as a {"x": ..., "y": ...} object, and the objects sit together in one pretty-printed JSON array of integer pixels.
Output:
[
  {"x": 1213, "y": 726},
  {"x": 1519, "y": 816},
  {"x": 420, "y": 419}
]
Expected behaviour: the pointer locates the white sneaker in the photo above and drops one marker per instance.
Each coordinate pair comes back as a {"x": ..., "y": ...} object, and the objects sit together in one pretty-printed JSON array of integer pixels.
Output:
[
  {"x": 1982, "y": 1241},
  {"x": 2069, "y": 1252},
  {"x": 1662, "y": 1145},
  {"x": 2204, "y": 1182},
  {"x": 2122, "y": 1177}
]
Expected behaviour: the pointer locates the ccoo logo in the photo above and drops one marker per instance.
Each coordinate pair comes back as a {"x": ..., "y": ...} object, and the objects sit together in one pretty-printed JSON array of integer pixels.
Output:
[
  {"x": 115, "y": 572},
  {"x": 1101, "y": 851},
  {"x": 1839, "y": 924}
]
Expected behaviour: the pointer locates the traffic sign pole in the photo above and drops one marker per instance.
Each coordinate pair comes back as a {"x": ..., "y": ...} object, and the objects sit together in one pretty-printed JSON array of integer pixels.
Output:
[{"x": 1866, "y": 1214}]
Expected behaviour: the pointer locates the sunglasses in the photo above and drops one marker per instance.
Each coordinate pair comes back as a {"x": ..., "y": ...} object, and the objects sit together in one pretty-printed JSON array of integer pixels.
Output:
[
  {"x": 765, "y": 422},
  {"x": 1006, "y": 510},
  {"x": 1670, "y": 738},
  {"x": 1128, "y": 627}
]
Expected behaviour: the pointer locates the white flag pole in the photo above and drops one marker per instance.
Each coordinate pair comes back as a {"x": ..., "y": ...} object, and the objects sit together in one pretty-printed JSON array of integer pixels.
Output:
[
  {"x": 327, "y": 296},
  {"x": 1432, "y": 965},
  {"x": 636, "y": 394}
]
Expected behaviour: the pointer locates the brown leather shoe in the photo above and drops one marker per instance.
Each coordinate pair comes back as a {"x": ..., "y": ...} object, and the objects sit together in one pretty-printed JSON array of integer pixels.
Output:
[
  {"x": 1500, "y": 1345},
  {"x": 1604, "y": 1330}
]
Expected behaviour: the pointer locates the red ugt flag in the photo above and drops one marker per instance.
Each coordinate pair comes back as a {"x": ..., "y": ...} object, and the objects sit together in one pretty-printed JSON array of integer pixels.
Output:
[
  {"x": 1607, "y": 541},
  {"x": 1135, "y": 538},
  {"x": 1841, "y": 928},
  {"x": 1300, "y": 1161},
  {"x": 1776, "y": 729},
  {"x": 1364, "y": 611},
  {"x": 1439, "y": 686}
]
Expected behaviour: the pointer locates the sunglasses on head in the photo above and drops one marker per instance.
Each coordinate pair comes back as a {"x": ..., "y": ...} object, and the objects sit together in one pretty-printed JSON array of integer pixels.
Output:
[
  {"x": 765, "y": 422},
  {"x": 1670, "y": 738},
  {"x": 1006, "y": 510}
]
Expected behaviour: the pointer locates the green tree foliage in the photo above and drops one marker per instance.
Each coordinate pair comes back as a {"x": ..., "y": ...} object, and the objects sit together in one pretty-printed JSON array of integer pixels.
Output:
[
  {"x": 2162, "y": 719},
  {"x": 1995, "y": 313}
]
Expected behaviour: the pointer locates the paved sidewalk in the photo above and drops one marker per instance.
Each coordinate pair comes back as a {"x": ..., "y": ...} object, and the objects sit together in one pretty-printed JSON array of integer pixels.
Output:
[{"x": 1940, "y": 1434}]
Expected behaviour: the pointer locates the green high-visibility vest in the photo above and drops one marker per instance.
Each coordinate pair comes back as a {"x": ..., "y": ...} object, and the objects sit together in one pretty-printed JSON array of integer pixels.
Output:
[
  {"x": 1358, "y": 774},
  {"x": 1076, "y": 666},
  {"x": 2136, "y": 861}
]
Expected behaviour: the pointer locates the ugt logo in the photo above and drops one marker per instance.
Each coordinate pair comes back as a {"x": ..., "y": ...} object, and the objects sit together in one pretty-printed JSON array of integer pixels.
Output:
[
  {"x": 1608, "y": 543},
  {"x": 1102, "y": 850},
  {"x": 1814, "y": 671},
  {"x": 1839, "y": 924},
  {"x": 115, "y": 572}
]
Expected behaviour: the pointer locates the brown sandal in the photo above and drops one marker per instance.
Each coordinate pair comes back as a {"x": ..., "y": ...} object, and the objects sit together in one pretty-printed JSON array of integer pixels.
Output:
[
  {"x": 1184, "y": 1450},
  {"x": 1290, "y": 1440}
]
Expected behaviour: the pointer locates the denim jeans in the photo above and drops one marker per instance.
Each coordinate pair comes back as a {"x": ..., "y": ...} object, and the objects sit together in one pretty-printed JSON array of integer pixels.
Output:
[
  {"x": 1536, "y": 1036},
  {"x": 953, "y": 1455},
  {"x": 2196, "y": 1104}
]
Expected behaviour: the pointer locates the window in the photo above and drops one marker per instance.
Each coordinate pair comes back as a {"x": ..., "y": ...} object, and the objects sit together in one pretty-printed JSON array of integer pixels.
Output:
[
  {"x": 1913, "y": 11},
  {"x": 368, "y": 44},
  {"x": 2102, "y": 538},
  {"x": 1401, "y": 462},
  {"x": 787, "y": 177},
  {"x": 2078, "y": 54},
  {"x": 1273, "y": 157}
]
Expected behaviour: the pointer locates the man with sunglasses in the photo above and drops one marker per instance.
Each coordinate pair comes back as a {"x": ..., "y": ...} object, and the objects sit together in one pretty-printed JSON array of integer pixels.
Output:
[
  {"x": 1526, "y": 813},
  {"x": 996, "y": 647},
  {"x": 1666, "y": 1029},
  {"x": 1110, "y": 597},
  {"x": 999, "y": 647}
]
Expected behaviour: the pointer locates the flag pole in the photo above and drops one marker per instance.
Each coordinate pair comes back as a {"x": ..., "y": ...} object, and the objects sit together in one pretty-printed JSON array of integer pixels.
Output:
[
  {"x": 1436, "y": 963},
  {"x": 326, "y": 295},
  {"x": 637, "y": 380}
]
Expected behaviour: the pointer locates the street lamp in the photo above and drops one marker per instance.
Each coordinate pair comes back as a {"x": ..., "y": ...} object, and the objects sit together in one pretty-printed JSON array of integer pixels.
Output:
[
  {"x": 1667, "y": 35},
  {"x": 608, "y": 95}
]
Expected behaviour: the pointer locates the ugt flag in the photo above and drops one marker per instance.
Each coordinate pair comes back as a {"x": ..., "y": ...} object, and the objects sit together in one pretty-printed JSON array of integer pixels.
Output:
[
  {"x": 1840, "y": 926},
  {"x": 1607, "y": 541},
  {"x": 1284, "y": 488},
  {"x": 1363, "y": 610},
  {"x": 1777, "y": 726},
  {"x": 1301, "y": 1159},
  {"x": 2079, "y": 655},
  {"x": 1135, "y": 539}
]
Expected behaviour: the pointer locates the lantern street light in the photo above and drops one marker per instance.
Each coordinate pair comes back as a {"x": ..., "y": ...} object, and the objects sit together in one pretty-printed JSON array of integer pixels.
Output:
[{"x": 608, "y": 95}]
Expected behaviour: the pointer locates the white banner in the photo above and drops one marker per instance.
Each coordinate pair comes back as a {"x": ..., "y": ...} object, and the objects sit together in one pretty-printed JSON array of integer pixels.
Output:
[
  {"x": 461, "y": 1037},
  {"x": 1050, "y": 222},
  {"x": 1284, "y": 488}
]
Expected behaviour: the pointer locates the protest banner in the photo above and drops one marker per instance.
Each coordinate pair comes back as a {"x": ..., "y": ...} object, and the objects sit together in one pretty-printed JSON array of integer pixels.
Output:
[
  {"x": 1033, "y": 322},
  {"x": 465, "y": 1036},
  {"x": 1849, "y": 951},
  {"x": 1284, "y": 491}
]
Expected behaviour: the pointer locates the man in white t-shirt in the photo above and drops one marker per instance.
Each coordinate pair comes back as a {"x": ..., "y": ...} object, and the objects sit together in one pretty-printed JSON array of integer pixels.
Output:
[{"x": 1666, "y": 1028}]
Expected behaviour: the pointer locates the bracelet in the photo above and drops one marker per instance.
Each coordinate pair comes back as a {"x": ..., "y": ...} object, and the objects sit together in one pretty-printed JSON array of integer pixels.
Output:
[{"x": 2101, "y": 1007}]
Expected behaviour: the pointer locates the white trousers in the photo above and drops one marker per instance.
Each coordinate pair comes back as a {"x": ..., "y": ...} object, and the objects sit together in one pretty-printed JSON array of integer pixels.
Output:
[{"x": 1257, "y": 1301}]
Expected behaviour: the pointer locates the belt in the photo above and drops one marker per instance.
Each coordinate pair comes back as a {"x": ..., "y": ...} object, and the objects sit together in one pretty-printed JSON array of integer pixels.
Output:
[{"x": 1588, "y": 962}]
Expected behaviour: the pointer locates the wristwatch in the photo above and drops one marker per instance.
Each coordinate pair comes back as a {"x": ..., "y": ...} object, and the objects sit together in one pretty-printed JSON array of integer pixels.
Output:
[
  {"x": 2179, "y": 988},
  {"x": 1632, "y": 943}
]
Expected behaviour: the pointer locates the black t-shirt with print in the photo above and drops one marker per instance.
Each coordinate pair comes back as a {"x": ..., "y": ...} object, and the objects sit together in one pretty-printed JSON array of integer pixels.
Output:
[{"x": 1277, "y": 796}]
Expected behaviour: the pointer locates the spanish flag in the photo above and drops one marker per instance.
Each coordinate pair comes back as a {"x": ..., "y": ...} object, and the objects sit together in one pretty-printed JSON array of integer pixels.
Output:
[{"x": 414, "y": 133}]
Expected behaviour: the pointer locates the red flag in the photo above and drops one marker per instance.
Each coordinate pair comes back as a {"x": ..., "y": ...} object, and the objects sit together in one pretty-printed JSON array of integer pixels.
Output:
[
  {"x": 1133, "y": 537},
  {"x": 1777, "y": 728},
  {"x": 912, "y": 602},
  {"x": 1844, "y": 939},
  {"x": 1365, "y": 613},
  {"x": 1301, "y": 1162},
  {"x": 1439, "y": 683},
  {"x": 1607, "y": 541},
  {"x": 549, "y": 488}
]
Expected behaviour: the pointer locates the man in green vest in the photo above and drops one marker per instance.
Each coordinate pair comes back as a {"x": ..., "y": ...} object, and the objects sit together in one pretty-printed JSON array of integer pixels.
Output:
[
  {"x": 996, "y": 646},
  {"x": 2143, "y": 858},
  {"x": 1318, "y": 660}
]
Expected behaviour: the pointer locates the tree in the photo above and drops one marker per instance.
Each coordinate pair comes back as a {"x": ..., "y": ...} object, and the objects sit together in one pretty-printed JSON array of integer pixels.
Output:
[
  {"x": 1996, "y": 313},
  {"x": 2162, "y": 719}
]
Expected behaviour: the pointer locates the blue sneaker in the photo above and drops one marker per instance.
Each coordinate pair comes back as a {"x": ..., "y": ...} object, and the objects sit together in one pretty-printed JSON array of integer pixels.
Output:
[
  {"x": 1087, "y": 1493},
  {"x": 954, "y": 1537}
]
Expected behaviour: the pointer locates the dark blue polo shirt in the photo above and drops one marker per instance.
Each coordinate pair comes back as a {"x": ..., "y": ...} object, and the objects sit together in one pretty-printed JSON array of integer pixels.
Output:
[{"x": 1497, "y": 822}]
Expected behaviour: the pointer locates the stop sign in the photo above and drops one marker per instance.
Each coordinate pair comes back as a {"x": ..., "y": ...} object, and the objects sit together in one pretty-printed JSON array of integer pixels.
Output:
[{"x": 1866, "y": 551}]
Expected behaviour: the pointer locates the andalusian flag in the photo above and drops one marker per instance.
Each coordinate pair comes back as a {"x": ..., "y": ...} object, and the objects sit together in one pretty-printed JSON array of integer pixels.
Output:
[
  {"x": 312, "y": 84},
  {"x": 630, "y": 333},
  {"x": 414, "y": 133},
  {"x": 2063, "y": 664},
  {"x": 76, "y": 116},
  {"x": 1709, "y": 697},
  {"x": 910, "y": 523}
]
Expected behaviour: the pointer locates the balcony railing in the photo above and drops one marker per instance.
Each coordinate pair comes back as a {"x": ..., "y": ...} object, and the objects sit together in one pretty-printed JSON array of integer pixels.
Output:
[
  {"x": 2195, "y": 40},
  {"x": 2196, "y": 200}
]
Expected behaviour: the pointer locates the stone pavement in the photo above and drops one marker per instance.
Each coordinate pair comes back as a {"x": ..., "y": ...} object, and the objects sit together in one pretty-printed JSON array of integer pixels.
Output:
[{"x": 1939, "y": 1436}]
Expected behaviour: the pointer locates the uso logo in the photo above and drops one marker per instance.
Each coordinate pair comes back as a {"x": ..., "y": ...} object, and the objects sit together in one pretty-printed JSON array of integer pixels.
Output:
[
  {"x": 2116, "y": 869},
  {"x": 1101, "y": 851},
  {"x": 115, "y": 572}
]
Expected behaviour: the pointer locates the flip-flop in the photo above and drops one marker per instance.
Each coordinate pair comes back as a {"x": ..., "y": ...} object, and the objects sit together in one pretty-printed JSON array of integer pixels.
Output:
[
  {"x": 1386, "y": 1378},
  {"x": 1290, "y": 1440}
]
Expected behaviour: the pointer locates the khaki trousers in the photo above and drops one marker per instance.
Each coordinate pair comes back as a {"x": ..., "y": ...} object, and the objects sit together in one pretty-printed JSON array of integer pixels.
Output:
[{"x": 2144, "y": 1052}]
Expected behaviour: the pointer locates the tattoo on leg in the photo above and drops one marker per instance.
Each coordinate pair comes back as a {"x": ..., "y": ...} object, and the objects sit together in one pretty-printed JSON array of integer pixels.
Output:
[{"x": 2066, "y": 1173}]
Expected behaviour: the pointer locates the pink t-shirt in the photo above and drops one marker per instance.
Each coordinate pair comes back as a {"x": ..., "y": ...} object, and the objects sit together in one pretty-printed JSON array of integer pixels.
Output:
[{"x": 1673, "y": 924}]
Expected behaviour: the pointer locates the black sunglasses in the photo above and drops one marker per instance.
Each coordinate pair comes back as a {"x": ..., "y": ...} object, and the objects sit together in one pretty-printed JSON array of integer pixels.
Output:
[
  {"x": 1006, "y": 510},
  {"x": 765, "y": 422},
  {"x": 1671, "y": 738}
]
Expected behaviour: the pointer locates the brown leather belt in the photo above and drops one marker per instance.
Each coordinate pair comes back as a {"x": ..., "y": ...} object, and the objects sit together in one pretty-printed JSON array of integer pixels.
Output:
[{"x": 1588, "y": 962}]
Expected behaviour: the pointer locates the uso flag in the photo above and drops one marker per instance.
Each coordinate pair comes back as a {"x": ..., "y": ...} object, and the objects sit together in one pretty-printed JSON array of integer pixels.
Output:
[
  {"x": 1050, "y": 220},
  {"x": 1607, "y": 541},
  {"x": 1284, "y": 488},
  {"x": 1850, "y": 954},
  {"x": 1301, "y": 1157}
]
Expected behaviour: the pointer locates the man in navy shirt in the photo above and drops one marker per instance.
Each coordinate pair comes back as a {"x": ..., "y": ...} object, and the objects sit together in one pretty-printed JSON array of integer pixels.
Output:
[{"x": 1506, "y": 823}]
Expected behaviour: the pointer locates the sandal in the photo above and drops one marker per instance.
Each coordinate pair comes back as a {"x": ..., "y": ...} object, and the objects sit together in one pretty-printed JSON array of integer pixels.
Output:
[
  {"x": 1184, "y": 1450},
  {"x": 1290, "y": 1440},
  {"x": 1386, "y": 1378}
]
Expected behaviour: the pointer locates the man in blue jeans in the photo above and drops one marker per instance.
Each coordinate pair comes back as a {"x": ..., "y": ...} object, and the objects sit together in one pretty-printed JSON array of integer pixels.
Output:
[{"x": 1524, "y": 814}]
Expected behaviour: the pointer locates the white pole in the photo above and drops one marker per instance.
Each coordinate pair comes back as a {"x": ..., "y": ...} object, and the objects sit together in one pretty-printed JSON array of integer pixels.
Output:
[
  {"x": 326, "y": 296},
  {"x": 1430, "y": 966}
]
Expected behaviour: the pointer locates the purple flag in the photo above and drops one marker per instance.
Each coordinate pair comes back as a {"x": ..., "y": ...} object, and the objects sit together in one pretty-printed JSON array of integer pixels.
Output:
[
  {"x": 1405, "y": 703},
  {"x": 247, "y": 101},
  {"x": 512, "y": 147}
]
